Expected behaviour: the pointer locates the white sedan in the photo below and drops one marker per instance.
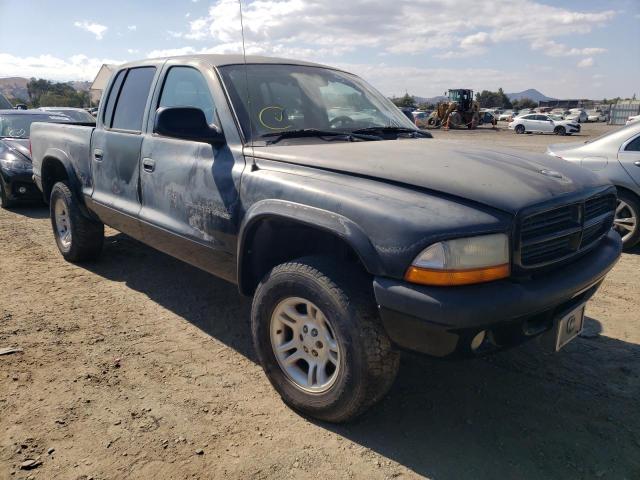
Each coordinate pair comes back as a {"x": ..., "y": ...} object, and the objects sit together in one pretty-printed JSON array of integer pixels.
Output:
[
  {"x": 634, "y": 118},
  {"x": 536, "y": 122},
  {"x": 596, "y": 116}
]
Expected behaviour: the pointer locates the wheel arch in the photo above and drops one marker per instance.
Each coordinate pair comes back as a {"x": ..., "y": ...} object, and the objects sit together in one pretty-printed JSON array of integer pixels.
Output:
[
  {"x": 270, "y": 224},
  {"x": 55, "y": 168}
]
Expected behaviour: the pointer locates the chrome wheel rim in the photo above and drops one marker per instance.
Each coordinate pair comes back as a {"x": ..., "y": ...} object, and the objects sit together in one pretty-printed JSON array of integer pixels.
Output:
[
  {"x": 625, "y": 221},
  {"x": 305, "y": 345},
  {"x": 63, "y": 224}
]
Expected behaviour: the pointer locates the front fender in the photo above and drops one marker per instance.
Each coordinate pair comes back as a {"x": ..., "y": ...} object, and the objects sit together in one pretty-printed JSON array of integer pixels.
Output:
[{"x": 342, "y": 227}]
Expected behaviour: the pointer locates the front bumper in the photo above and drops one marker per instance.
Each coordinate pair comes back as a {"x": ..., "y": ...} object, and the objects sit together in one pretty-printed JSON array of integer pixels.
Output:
[
  {"x": 442, "y": 321},
  {"x": 19, "y": 186}
]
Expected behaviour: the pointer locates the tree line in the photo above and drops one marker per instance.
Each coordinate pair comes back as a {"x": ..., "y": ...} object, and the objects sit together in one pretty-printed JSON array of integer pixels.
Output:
[
  {"x": 485, "y": 98},
  {"x": 45, "y": 93}
]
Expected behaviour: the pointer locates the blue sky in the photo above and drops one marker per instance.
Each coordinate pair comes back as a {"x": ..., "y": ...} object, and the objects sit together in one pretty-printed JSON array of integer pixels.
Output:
[{"x": 572, "y": 48}]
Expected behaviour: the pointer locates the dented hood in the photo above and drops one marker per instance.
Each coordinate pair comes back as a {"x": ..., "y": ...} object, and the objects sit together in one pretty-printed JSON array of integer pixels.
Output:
[{"x": 504, "y": 179}]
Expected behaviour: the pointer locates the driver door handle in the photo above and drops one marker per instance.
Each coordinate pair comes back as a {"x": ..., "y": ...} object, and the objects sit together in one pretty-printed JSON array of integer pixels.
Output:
[{"x": 148, "y": 165}]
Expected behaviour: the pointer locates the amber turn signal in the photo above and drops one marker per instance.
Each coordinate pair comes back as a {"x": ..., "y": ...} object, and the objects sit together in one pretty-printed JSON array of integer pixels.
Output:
[{"x": 446, "y": 278}]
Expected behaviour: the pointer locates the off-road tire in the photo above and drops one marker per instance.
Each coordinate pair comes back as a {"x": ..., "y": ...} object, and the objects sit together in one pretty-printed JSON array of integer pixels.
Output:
[
  {"x": 634, "y": 204},
  {"x": 369, "y": 362},
  {"x": 87, "y": 235},
  {"x": 560, "y": 131},
  {"x": 520, "y": 129}
]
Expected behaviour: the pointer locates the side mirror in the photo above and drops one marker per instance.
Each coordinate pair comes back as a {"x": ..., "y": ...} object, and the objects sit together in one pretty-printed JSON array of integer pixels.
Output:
[{"x": 188, "y": 123}]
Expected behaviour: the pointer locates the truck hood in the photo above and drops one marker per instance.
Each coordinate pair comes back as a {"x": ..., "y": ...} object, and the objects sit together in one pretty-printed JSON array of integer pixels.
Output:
[
  {"x": 507, "y": 180},
  {"x": 21, "y": 145}
]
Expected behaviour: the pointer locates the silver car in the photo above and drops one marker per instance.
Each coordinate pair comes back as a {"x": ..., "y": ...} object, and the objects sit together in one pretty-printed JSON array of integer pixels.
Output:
[{"x": 616, "y": 157}]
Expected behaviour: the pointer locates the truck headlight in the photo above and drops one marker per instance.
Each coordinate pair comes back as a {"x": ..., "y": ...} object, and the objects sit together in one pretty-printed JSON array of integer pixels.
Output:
[{"x": 462, "y": 261}]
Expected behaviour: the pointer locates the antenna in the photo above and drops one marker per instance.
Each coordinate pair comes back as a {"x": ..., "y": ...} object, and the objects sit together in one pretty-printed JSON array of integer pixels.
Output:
[{"x": 246, "y": 79}]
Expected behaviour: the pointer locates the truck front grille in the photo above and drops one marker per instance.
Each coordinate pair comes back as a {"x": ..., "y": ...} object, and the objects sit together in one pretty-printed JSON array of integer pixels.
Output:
[{"x": 554, "y": 235}]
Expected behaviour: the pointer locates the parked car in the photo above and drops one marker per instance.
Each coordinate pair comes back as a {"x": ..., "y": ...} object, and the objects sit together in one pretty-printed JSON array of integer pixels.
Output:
[
  {"x": 16, "y": 182},
  {"x": 507, "y": 115},
  {"x": 577, "y": 116},
  {"x": 355, "y": 237},
  {"x": 420, "y": 118},
  {"x": 487, "y": 118},
  {"x": 616, "y": 157},
  {"x": 543, "y": 123},
  {"x": 76, "y": 114},
  {"x": 633, "y": 118},
  {"x": 596, "y": 116}
]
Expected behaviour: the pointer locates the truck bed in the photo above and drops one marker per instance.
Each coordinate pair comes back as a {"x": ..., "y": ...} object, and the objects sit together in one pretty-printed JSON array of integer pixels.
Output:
[{"x": 68, "y": 142}]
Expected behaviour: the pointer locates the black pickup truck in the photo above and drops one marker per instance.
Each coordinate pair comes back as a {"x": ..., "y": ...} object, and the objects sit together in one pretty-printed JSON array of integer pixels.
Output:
[{"x": 356, "y": 234}]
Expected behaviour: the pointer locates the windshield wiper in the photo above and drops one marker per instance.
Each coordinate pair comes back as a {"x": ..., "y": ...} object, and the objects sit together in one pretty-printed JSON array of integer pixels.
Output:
[
  {"x": 412, "y": 133},
  {"x": 327, "y": 135}
]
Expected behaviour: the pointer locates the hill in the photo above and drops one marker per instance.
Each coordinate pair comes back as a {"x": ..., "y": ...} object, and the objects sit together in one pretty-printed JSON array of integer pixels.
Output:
[
  {"x": 16, "y": 87},
  {"x": 531, "y": 94}
]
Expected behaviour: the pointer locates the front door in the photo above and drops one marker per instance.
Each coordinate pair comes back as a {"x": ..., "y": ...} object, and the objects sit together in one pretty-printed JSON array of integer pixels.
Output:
[
  {"x": 116, "y": 150},
  {"x": 188, "y": 191}
]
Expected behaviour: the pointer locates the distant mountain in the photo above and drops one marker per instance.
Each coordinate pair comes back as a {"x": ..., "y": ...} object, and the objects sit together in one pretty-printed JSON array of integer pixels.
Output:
[
  {"x": 531, "y": 94},
  {"x": 16, "y": 87}
]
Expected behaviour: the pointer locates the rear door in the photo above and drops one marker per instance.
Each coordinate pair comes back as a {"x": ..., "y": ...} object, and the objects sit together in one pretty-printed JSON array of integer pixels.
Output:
[
  {"x": 629, "y": 156},
  {"x": 115, "y": 150},
  {"x": 189, "y": 188},
  {"x": 545, "y": 124}
]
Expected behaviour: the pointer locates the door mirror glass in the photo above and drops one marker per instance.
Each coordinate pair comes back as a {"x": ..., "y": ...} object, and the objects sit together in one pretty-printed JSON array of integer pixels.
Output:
[{"x": 188, "y": 123}]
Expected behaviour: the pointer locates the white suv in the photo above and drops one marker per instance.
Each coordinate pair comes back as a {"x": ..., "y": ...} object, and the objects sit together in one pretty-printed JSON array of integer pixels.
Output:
[{"x": 537, "y": 122}]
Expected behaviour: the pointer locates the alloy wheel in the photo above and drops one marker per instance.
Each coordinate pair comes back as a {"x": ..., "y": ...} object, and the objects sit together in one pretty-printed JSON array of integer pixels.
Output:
[
  {"x": 626, "y": 220},
  {"x": 305, "y": 345},
  {"x": 63, "y": 223}
]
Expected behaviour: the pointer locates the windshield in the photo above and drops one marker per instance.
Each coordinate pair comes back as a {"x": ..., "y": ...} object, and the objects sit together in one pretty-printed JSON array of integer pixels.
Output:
[
  {"x": 76, "y": 115},
  {"x": 295, "y": 97},
  {"x": 19, "y": 126}
]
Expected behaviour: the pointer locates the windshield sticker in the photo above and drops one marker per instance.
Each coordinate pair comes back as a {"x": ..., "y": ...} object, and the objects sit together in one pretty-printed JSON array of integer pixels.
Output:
[{"x": 273, "y": 118}]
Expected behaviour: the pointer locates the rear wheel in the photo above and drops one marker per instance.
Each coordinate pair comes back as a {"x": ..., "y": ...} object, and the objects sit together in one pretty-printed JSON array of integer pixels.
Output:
[
  {"x": 520, "y": 129},
  {"x": 317, "y": 333},
  {"x": 78, "y": 237},
  {"x": 626, "y": 219},
  {"x": 560, "y": 131}
]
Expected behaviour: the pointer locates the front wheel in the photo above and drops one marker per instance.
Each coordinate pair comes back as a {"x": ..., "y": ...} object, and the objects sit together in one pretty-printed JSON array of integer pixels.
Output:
[
  {"x": 78, "y": 237},
  {"x": 625, "y": 221},
  {"x": 520, "y": 129},
  {"x": 560, "y": 131},
  {"x": 319, "y": 339},
  {"x": 4, "y": 197}
]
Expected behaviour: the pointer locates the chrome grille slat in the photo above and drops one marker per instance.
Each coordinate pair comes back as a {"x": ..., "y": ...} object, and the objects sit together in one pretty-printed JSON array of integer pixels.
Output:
[{"x": 556, "y": 234}]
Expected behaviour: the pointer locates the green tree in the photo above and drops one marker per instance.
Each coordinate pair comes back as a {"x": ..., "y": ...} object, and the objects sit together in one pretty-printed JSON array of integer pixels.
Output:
[
  {"x": 44, "y": 93},
  {"x": 524, "y": 103},
  {"x": 404, "y": 101},
  {"x": 499, "y": 99}
]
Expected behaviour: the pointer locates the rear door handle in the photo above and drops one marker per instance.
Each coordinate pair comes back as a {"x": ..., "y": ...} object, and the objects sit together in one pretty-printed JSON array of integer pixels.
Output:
[
  {"x": 148, "y": 164},
  {"x": 97, "y": 154}
]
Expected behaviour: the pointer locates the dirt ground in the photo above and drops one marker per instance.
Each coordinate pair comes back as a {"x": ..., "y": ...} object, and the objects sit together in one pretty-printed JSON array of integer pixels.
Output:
[{"x": 140, "y": 366}]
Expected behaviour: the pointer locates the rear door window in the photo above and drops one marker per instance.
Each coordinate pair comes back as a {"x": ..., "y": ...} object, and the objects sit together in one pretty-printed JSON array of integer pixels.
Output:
[
  {"x": 113, "y": 96},
  {"x": 633, "y": 145},
  {"x": 129, "y": 109}
]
